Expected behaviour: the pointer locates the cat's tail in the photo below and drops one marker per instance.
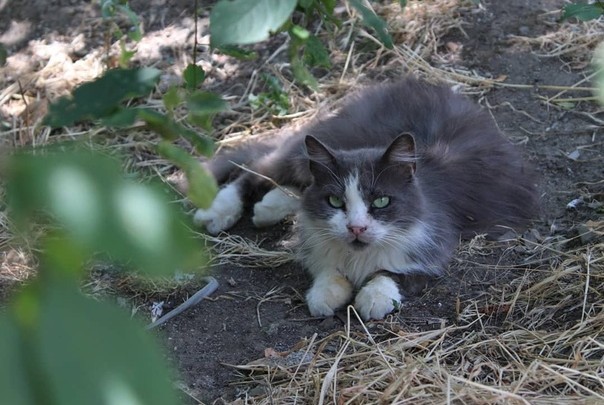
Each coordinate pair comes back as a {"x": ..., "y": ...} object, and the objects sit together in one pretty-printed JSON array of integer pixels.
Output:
[{"x": 227, "y": 162}]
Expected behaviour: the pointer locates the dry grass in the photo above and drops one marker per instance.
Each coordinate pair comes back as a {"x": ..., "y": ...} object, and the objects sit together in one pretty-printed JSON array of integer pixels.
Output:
[
  {"x": 572, "y": 42},
  {"x": 536, "y": 340}
]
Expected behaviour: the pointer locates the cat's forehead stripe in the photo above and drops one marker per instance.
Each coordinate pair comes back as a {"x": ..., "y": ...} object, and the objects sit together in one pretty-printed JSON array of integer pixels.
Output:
[{"x": 355, "y": 204}]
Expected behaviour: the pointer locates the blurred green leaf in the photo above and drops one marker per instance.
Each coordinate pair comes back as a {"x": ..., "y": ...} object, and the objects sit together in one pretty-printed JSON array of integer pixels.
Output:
[
  {"x": 15, "y": 383},
  {"x": 238, "y": 52},
  {"x": 371, "y": 19},
  {"x": 171, "y": 99},
  {"x": 202, "y": 186},
  {"x": 403, "y": 3},
  {"x": 203, "y": 121},
  {"x": 202, "y": 144},
  {"x": 100, "y": 98},
  {"x": 315, "y": 53},
  {"x": 205, "y": 102},
  {"x": 126, "y": 55},
  {"x": 240, "y": 22},
  {"x": 193, "y": 75},
  {"x": 203, "y": 105},
  {"x": 275, "y": 99},
  {"x": 583, "y": 12},
  {"x": 303, "y": 75},
  {"x": 99, "y": 210},
  {"x": 135, "y": 34},
  {"x": 299, "y": 32},
  {"x": 122, "y": 117},
  {"x": 3, "y": 55},
  {"x": 157, "y": 122},
  {"x": 171, "y": 130},
  {"x": 79, "y": 352}
]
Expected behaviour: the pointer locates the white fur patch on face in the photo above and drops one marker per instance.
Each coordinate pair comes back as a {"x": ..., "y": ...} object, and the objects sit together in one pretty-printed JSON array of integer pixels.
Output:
[
  {"x": 329, "y": 292},
  {"x": 377, "y": 298},
  {"x": 356, "y": 208},
  {"x": 275, "y": 206},
  {"x": 356, "y": 215},
  {"x": 225, "y": 211}
]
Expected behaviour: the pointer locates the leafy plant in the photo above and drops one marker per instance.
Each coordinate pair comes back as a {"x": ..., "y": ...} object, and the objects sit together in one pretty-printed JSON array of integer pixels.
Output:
[
  {"x": 241, "y": 22},
  {"x": 111, "y": 10},
  {"x": 103, "y": 99},
  {"x": 583, "y": 11},
  {"x": 274, "y": 99},
  {"x": 57, "y": 346}
]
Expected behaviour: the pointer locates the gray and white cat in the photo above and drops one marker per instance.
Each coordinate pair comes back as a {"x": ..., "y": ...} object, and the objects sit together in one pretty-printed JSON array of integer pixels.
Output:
[{"x": 388, "y": 185}]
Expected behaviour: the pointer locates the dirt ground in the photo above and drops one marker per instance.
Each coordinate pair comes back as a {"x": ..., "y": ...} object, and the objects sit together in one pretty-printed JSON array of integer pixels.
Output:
[{"x": 259, "y": 310}]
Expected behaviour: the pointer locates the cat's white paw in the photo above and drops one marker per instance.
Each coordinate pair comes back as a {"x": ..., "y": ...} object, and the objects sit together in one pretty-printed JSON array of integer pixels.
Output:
[
  {"x": 328, "y": 294},
  {"x": 275, "y": 206},
  {"x": 225, "y": 211},
  {"x": 377, "y": 298}
]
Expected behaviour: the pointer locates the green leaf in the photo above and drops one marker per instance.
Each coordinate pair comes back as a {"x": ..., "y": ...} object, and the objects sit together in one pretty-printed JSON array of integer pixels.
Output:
[
  {"x": 193, "y": 75},
  {"x": 157, "y": 122},
  {"x": 3, "y": 55},
  {"x": 299, "y": 32},
  {"x": 583, "y": 12},
  {"x": 169, "y": 129},
  {"x": 238, "y": 52},
  {"x": 315, "y": 53},
  {"x": 240, "y": 22},
  {"x": 371, "y": 19},
  {"x": 403, "y": 3},
  {"x": 202, "y": 185},
  {"x": 125, "y": 55},
  {"x": 303, "y": 75},
  {"x": 122, "y": 117},
  {"x": 202, "y": 107},
  {"x": 15, "y": 383},
  {"x": 87, "y": 196},
  {"x": 171, "y": 99},
  {"x": 101, "y": 97},
  {"x": 80, "y": 352},
  {"x": 329, "y": 7},
  {"x": 306, "y": 3},
  {"x": 203, "y": 144},
  {"x": 135, "y": 33},
  {"x": 205, "y": 102}
]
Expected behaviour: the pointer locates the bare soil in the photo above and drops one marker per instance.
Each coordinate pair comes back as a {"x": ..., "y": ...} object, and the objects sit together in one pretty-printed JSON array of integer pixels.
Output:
[{"x": 256, "y": 309}]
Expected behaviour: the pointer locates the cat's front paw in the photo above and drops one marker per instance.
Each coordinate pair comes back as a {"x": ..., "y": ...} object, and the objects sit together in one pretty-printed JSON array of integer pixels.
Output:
[
  {"x": 275, "y": 206},
  {"x": 225, "y": 211},
  {"x": 377, "y": 298},
  {"x": 328, "y": 294}
]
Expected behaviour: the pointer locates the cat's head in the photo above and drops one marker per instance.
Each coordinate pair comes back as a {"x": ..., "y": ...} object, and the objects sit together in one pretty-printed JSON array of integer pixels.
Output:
[{"x": 362, "y": 197}]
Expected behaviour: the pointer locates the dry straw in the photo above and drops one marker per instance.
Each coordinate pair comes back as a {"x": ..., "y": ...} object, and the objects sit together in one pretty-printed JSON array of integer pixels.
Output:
[
  {"x": 537, "y": 340},
  {"x": 536, "y": 343}
]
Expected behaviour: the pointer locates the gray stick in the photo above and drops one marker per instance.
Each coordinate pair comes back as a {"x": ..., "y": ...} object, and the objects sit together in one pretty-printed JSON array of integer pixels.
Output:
[{"x": 195, "y": 298}]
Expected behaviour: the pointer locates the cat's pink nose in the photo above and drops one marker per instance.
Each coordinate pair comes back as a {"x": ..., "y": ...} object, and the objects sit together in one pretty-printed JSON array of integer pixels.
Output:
[{"x": 356, "y": 230}]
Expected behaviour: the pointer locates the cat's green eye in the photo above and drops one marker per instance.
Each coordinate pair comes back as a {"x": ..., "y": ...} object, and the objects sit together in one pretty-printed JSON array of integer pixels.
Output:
[
  {"x": 335, "y": 201},
  {"x": 381, "y": 202}
]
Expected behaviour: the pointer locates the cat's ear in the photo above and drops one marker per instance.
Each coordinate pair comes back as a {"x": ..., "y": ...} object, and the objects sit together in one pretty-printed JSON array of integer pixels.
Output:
[
  {"x": 319, "y": 156},
  {"x": 401, "y": 151}
]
